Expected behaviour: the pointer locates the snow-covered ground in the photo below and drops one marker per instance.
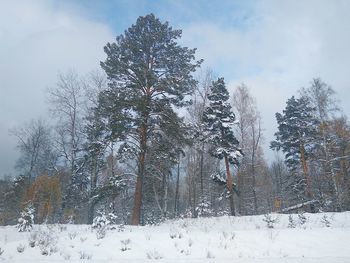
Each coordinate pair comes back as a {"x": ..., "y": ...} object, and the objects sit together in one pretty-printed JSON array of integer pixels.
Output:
[{"x": 221, "y": 239}]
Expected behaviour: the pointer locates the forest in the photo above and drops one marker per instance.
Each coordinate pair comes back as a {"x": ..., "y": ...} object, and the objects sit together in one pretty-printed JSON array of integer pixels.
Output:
[{"x": 152, "y": 136}]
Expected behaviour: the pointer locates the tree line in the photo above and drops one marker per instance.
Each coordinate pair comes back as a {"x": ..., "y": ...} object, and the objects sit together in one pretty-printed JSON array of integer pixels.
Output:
[{"x": 143, "y": 140}]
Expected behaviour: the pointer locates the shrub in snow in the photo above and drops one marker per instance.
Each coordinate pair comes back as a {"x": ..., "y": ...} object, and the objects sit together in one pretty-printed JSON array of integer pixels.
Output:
[
  {"x": 291, "y": 222},
  {"x": 231, "y": 235},
  {"x": 325, "y": 221},
  {"x": 210, "y": 255},
  {"x": 85, "y": 255},
  {"x": 62, "y": 228},
  {"x": 302, "y": 218},
  {"x": 1, "y": 251},
  {"x": 190, "y": 242},
  {"x": 121, "y": 228},
  {"x": 203, "y": 209},
  {"x": 113, "y": 219},
  {"x": 101, "y": 220},
  {"x": 125, "y": 244},
  {"x": 26, "y": 221},
  {"x": 187, "y": 213},
  {"x": 32, "y": 239},
  {"x": 20, "y": 248},
  {"x": 72, "y": 235},
  {"x": 46, "y": 240},
  {"x": 154, "y": 255},
  {"x": 175, "y": 234},
  {"x": 270, "y": 221},
  {"x": 101, "y": 232},
  {"x": 187, "y": 252},
  {"x": 65, "y": 255}
]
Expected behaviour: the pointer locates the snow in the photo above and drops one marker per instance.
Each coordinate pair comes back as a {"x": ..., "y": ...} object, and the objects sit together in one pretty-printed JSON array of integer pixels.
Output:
[{"x": 222, "y": 239}]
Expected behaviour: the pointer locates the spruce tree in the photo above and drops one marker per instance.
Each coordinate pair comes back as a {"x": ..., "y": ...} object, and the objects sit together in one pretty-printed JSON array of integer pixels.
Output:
[
  {"x": 297, "y": 132},
  {"x": 219, "y": 119},
  {"x": 149, "y": 75},
  {"x": 26, "y": 220}
]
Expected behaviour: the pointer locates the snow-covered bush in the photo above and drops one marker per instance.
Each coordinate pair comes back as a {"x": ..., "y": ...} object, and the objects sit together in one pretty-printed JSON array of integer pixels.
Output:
[
  {"x": 121, "y": 228},
  {"x": 302, "y": 218},
  {"x": 101, "y": 232},
  {"x": 203, "y": 209},
  {"x": 210, "y": 254},
  {"x": 72, "y": 235},
  {"x": 46, "y": 240},
  {"x": 101, "y": 223},
  {"x": 154, "y": 255},
  {"x": 20, "y": 248},
  {"x": 65, "y": 255},
  {"x": 103, "y": 220},
  {"x": 32, "y": 239},
  {"x": 1, "y": 251},
  {"x": 270, "y": 221},
  {"x": 26, "y": 221},
  {"x": 85, "y": 255},
  {"x": 291, "y": 222},
  {"x": 325, "y": 221},
  {"x": 125, "y": 244},
  {"x": 227, "y": 235}
]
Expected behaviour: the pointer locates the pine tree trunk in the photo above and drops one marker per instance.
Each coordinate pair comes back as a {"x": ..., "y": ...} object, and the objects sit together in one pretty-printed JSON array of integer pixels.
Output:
[
  {"x": 229, "y": 183},
  {"x": 176, "y": 206},
  {"x": 201, "y": 171},
  {"x": 136, "y": 213},
  {"x": 93, "y": 185},
  {"x": 240, "y": 189},
  {"x": 306, "y": 175},
  {"x": 194, "y": 211},
  {"x": 91, "y": 213}
]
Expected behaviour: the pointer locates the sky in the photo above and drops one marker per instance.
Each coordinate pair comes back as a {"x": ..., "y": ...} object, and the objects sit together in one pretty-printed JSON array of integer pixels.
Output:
[{"x": 274, "y": 47}]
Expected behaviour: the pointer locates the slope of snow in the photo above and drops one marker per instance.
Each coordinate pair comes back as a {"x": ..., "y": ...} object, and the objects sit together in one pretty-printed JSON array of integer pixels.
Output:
[{"x": 221, "y": 239}]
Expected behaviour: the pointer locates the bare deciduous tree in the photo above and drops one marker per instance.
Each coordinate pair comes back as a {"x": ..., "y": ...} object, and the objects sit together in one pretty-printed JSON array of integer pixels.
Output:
[
  {"x": 35, "y": 145},
  {"x": 249, "y": 131}
]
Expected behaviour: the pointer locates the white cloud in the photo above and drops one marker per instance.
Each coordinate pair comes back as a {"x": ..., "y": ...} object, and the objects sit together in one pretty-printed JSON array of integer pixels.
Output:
[
  {"x": 36, "y": 42},
  {"x": 277, "y": 48},
  {"x": 284, "y": 45}
]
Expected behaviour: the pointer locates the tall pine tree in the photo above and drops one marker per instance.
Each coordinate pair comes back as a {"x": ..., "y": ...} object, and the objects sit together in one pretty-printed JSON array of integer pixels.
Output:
[
  {"x": 219, "y": 120},
  {"x": 149, "y": 75},
  {"x": 297, "y": 132}
]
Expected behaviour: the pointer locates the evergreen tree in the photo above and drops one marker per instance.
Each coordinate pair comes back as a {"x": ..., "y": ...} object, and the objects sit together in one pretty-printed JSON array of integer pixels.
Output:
[
  {"x": 149, "y": 74},
  {"x": 13, "y": 199},
  {"x": 219, "y": 120},
  {"x": 95, "y": 149},
  {"x": 26, "y": 220},
  {"x": 297, "y": 131}
]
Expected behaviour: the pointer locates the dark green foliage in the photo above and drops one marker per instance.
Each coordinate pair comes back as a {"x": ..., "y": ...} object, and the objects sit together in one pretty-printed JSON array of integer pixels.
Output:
[
  {"x": 13, "y": 198},
  {"x": 147, "y": 56},
  {"x": 296, "y": 136},
  {"x": 296, "y": 126},
  {"x": 149, "y": 74},
  {"x": 219, "y": 120}
]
